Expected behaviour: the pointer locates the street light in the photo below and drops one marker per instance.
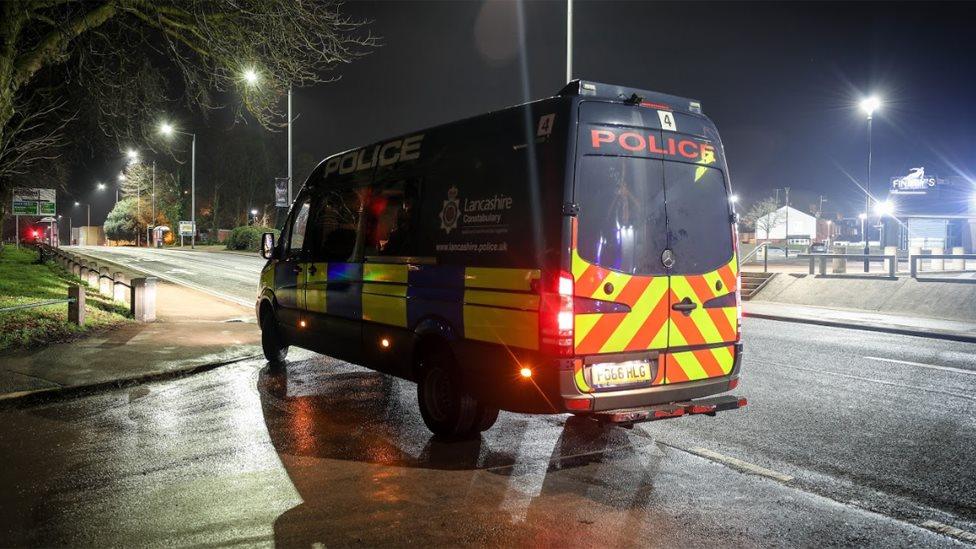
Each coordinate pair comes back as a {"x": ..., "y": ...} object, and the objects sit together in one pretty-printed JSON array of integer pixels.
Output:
[
  {"x": 733, "y": 198},
  {"x": 868, "y": 106},
  {"x": 132, "y": 155},
  {"x": 884, "y": 208},
  {"x": 251, "y": 77},
  {"x": 167, "y": 130}
]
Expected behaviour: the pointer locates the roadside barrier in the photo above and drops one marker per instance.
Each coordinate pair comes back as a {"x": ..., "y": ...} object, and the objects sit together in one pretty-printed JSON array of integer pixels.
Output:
[
  {"x": 818, "y": 262},
  {"x": 75, "y": 301},
  {"x": 138, "y": 292},
  {"x": 937, "y": 262}
]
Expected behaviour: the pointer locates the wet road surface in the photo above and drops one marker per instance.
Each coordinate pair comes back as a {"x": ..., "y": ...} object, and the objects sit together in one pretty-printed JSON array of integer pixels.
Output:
[
  {"x": 850, "y": 438},
  {"x": 232, "y": 276}
]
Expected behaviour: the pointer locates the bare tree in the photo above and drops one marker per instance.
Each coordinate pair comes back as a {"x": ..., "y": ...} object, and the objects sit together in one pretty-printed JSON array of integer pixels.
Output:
[
  {"x": 125, "y": 62},
  {"x": 764, "y": 215}
]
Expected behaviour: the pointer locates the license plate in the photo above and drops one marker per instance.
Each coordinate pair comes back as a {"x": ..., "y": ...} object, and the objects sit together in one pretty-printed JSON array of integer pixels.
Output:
[{"x": 613, "y": 374}]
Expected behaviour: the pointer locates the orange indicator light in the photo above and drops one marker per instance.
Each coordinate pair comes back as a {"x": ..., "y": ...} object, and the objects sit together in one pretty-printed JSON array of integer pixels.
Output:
[
  {"x": 301, "y": 323},
  {"x": 385, "y": 343},
  {"x": 525, "y": 372}
]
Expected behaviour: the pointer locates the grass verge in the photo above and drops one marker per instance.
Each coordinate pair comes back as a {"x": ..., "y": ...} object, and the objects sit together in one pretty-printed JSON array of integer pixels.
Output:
[{"x": 24, "y": 281}]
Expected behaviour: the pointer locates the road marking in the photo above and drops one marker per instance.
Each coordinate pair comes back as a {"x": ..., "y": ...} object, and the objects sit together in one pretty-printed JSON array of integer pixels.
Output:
[
  {"x": 950, "y": 531},
  {"x": 921, "y": 365},
  {"x": 739, "y": 464}
]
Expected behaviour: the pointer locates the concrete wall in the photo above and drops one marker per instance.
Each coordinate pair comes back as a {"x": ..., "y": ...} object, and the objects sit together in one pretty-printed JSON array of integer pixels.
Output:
[{"x": 951, "y": 300}]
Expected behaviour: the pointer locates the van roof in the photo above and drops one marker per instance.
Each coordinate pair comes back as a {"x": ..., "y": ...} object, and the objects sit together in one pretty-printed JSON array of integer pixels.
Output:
[{"x": 634, "y": 95}]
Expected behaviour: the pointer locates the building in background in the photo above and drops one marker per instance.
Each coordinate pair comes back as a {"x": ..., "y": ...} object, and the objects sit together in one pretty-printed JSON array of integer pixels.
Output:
[
  {"x": 802, "y": 227},
  {"x": 930, "y": 213}
]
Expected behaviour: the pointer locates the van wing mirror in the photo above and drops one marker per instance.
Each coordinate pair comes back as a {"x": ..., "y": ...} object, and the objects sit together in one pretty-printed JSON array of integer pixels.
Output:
[{"x": 267, "y": 245}]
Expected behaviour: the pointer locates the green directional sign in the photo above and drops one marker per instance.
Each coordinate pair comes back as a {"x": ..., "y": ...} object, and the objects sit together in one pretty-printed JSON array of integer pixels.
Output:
[{"x": 34, "y": 202}]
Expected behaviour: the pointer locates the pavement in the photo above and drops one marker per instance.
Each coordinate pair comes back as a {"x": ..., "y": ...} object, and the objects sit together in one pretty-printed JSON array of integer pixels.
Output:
[
  {"x": 849, "y": 439},
  {"x": 193, "y": 331},
  {"x": 956, "y": 330}
]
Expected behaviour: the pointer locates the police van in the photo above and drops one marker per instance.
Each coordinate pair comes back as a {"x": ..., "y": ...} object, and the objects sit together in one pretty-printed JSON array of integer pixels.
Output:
[{"x": 575, "y": 254}]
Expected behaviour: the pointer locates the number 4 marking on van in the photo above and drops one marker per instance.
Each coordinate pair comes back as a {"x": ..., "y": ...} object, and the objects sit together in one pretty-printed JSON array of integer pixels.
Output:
[
  {"x": 667, "y": 120},
  {"x": 545, "y": 125}
]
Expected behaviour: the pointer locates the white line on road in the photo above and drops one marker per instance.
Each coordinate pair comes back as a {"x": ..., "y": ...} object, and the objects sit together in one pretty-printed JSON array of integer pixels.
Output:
[
  {"x": 921, "y": 365},
  {"x": 950, "y": 531},
  {"x": 739, "y": 464}
]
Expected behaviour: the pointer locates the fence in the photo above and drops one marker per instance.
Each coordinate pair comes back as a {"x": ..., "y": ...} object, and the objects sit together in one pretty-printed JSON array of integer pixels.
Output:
[{"x": 139, "y": 292}]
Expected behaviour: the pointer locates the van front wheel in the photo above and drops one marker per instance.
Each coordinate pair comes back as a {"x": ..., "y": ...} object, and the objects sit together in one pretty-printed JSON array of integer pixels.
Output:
[
  {"x": 272, "y": 343},
  {"x": 447, "y": 410}
]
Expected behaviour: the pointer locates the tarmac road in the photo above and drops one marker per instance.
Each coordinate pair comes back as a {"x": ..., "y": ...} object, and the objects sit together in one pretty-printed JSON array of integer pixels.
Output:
[
  {"x": 232, "y": 276},
  {"x": 850, "y": 438},
  {"x": 335, "y": 454}
]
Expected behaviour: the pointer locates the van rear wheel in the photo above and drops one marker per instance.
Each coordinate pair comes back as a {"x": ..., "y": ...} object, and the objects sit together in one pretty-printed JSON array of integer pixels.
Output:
[
  {"x": 272, "y": 343},
  {"x": 446, "y": 409}
]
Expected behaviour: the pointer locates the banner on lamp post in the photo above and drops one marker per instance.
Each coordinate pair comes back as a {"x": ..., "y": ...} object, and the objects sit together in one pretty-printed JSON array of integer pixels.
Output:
[{"x": 281, "y": 192}]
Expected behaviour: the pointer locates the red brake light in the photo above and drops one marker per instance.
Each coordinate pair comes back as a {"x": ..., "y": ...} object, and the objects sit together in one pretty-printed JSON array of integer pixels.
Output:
[{"x": 556, "y": 316}]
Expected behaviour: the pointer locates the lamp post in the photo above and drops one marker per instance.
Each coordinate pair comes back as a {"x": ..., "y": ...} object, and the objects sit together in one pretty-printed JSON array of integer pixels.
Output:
[
  {"x": 868, "y": 106},
  {"x": 251, "y": 78},
  {"x": 167, "y": 130},
  {"x": 863, "y": 217}
]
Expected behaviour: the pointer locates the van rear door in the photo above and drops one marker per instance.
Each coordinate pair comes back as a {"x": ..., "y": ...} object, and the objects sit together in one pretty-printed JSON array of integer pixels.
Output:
[
  {"x": 653, "y": 259},
  {"x": 703, "y": 312}
]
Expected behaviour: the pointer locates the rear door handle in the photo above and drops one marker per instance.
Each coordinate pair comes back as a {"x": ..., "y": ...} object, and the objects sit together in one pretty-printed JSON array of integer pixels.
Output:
[
  {"x": 312, "y": 270},
  {"x": 686, "y": 305},
  {"x": 296, "y": 269}
]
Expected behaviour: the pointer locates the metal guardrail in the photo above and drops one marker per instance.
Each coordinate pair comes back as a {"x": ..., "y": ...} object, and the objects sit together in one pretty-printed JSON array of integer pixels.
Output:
[
  {"x": 38, "y": 304},
  {"x": 765, "y": 247},
  {"x": 822, "y": 258},
  {"x": 913, "y": 261}
]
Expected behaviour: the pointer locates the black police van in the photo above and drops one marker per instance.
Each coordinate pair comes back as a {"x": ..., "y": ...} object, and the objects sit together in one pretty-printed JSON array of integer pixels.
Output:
[{"x": 574, "y": 254}]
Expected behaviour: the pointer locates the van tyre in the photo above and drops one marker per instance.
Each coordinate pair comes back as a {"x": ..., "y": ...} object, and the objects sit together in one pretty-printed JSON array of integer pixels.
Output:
[
  {"x": 272, "y": 343},
  {"x": 447, "y": 410}
]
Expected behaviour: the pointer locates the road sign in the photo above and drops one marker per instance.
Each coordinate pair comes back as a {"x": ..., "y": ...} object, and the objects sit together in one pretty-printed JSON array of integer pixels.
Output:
[
  {"x": 186, "y": 228},
  {"x": 27, "y": 201}
]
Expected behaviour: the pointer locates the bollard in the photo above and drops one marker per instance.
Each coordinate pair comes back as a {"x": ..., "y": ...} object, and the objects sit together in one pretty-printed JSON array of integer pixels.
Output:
[
  {"x": 937, "y": 264},
  {"x": 143, "y": 304},
  {"x": 892, "y": 252},
  {"x": 957, "y": 264},
  {"x": 118, "y": 287},
  {"x": 105, "y": 282},
  {"x": 93, "y": 275},
  {"x": 839, "y": 264},
  {"x": 822, "y": 267},
  {"x": 76, "y": 308}
]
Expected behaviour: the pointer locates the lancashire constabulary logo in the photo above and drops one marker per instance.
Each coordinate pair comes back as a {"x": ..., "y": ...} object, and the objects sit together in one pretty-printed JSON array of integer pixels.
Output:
[{"x": 450, "y": 211}]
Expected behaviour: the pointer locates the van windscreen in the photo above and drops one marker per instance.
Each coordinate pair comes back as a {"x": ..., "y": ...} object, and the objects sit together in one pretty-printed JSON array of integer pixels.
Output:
[{"x": 631, "y": 209}]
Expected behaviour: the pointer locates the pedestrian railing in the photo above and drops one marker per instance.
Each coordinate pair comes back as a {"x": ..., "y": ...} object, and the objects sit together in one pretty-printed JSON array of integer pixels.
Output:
[
  {"x": 938, "y": 262},
  {"x": 818, "y": 262},
  {"x": 755, "y": 254},
  {"x": 139, "y": 292}
]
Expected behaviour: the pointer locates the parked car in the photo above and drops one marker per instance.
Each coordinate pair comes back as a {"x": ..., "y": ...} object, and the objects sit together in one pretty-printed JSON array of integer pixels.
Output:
[{"x": 818, "y": 248}]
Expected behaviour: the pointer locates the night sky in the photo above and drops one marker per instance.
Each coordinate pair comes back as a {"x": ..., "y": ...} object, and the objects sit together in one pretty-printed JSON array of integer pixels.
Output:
[{"x": 780, "y": 80}]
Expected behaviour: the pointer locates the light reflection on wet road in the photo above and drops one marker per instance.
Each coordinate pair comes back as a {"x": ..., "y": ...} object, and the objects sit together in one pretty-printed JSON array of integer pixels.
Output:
[{"x": 336, "y": 454}]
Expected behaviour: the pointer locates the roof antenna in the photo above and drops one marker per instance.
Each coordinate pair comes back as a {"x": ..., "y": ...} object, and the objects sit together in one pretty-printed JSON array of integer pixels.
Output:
[{"x": 634, "y": 100}]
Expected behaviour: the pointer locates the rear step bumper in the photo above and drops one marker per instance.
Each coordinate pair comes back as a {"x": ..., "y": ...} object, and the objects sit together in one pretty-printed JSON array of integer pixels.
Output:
[{"x": 708, "y": 406}]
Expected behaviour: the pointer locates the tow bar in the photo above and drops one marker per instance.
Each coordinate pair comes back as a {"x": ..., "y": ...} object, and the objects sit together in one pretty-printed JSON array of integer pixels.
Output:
[{"x": 709, "y": 406}]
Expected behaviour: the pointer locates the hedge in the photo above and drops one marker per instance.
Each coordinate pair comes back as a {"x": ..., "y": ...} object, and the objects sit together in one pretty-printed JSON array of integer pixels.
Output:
[{"x": 248, "y": 237}]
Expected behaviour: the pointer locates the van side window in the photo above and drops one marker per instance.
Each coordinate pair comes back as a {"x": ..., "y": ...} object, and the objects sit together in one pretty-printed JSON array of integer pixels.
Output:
[
  {"x": 393, "y": 225},
  {"x": 297, "y": 236},
  {"x": 333, "y": 224}
]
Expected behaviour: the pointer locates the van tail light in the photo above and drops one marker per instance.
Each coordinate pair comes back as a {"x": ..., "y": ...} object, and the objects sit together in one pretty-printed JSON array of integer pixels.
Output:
[
  {"x": 738, "y": 284},
  {"x": 556, "y": 315}
]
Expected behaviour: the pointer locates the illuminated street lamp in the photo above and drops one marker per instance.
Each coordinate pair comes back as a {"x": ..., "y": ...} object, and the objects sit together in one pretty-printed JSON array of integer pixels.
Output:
[
  {"x": 868, "y": 106},
  {"x": 733, "y": 198},
  {"x": 251, "y": 77},
  {"x": 168, "y": 130},
  {"x": 132, "y": 155}
]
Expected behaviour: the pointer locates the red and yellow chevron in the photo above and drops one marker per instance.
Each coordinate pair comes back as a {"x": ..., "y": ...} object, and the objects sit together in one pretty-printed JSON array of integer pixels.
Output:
[{"x": 651, "y": 324}]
